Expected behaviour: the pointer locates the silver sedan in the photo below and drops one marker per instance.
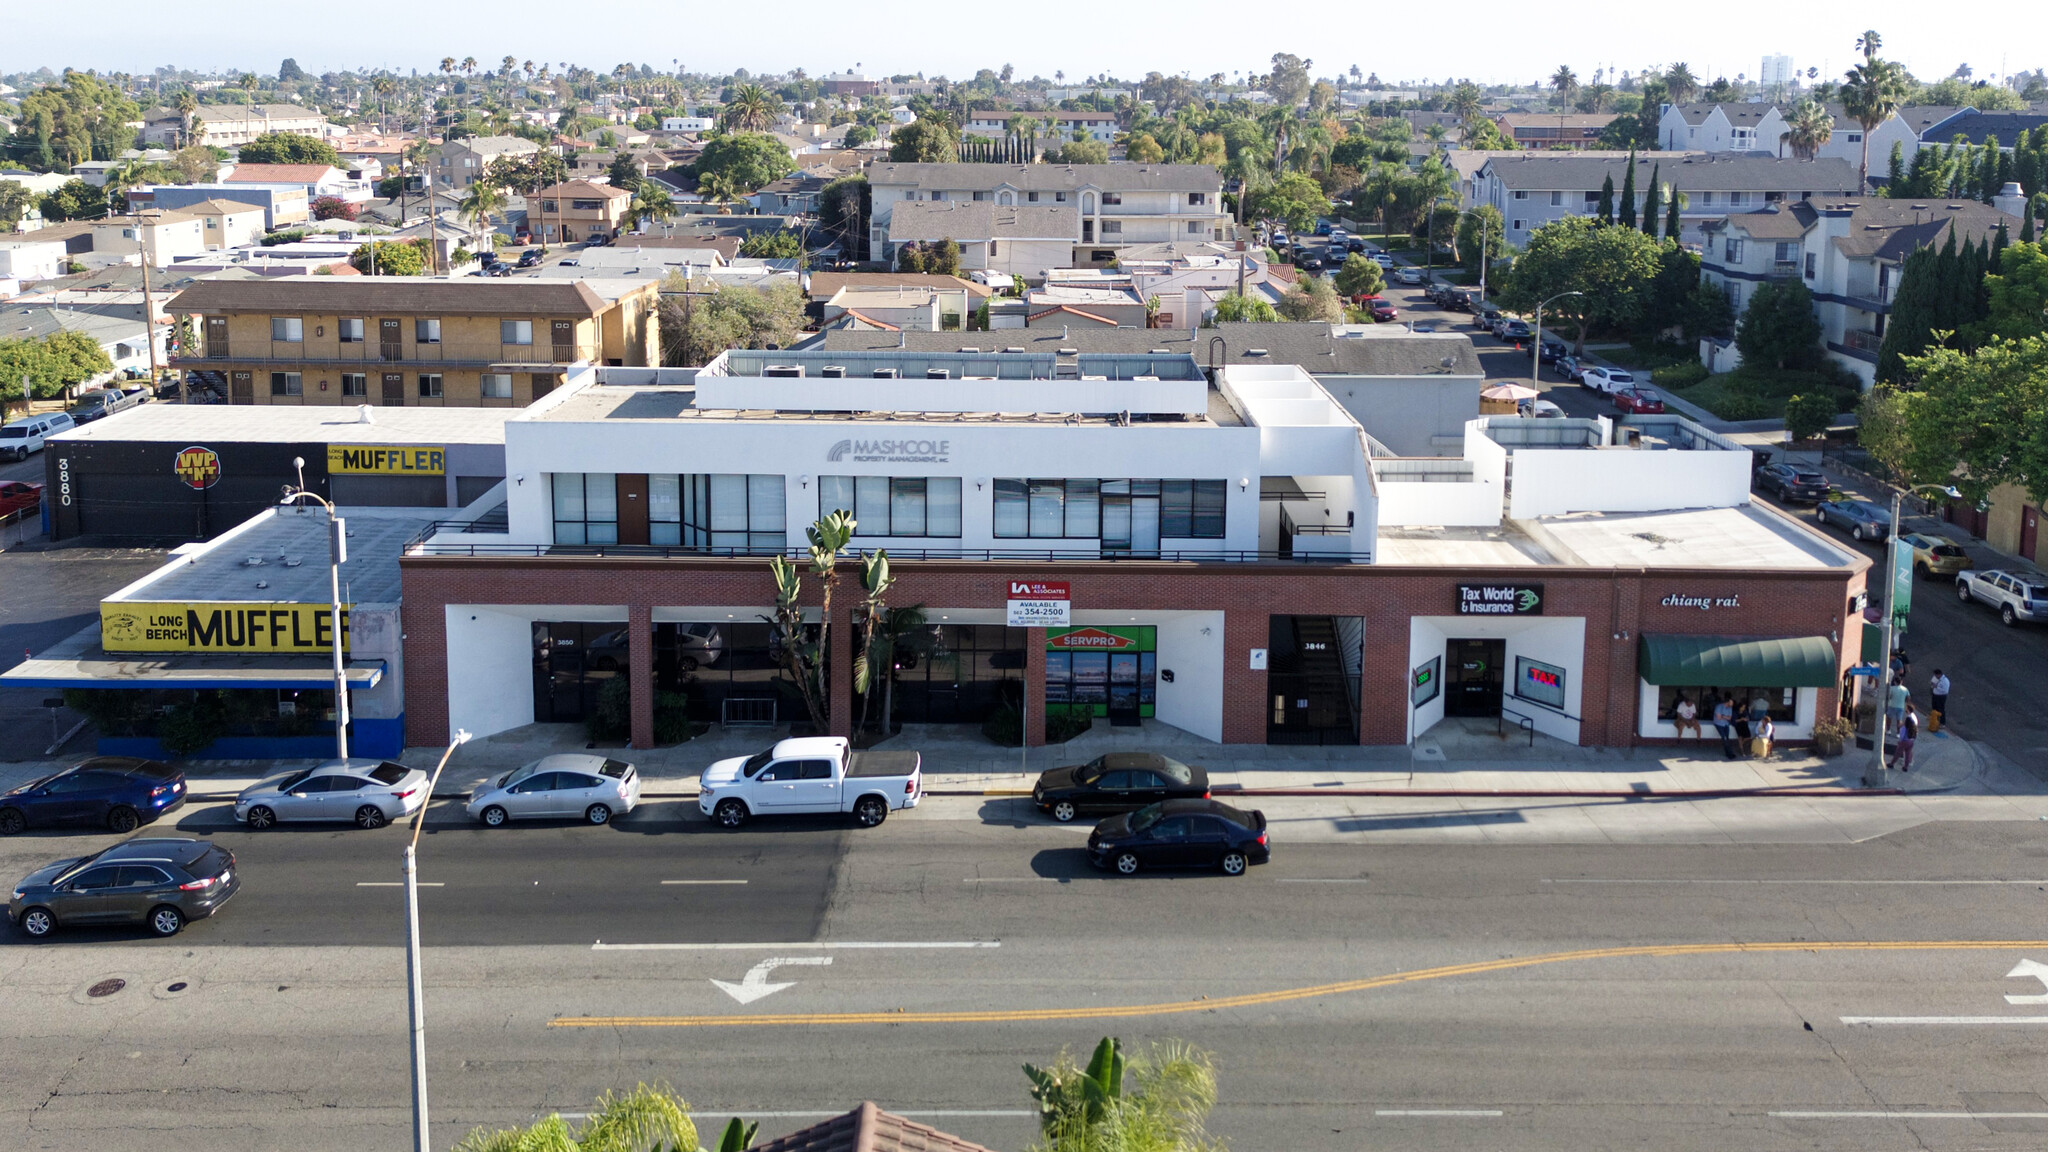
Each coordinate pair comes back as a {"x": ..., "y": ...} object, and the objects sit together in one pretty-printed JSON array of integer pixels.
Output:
[
  {"x": 369, "y": 793},
  {"x": 568, "y": 786}
]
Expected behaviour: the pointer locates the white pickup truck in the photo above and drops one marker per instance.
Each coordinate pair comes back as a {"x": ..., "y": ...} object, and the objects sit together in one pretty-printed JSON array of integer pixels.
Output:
[{"x": 811, "y": 774}]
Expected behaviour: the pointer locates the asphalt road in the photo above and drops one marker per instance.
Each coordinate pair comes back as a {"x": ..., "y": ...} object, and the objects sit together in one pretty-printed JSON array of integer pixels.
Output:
[{"x": 1543, "y": 996}]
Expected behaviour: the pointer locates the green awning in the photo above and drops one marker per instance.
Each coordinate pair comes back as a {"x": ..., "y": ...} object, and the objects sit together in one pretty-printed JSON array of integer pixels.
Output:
[
  {"x": 1738, "y": 661},
  {"x": 1873, "y": 643}
]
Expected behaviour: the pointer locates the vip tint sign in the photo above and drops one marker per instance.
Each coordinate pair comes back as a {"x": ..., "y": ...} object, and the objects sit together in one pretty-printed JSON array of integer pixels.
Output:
[
  {"x": 267, "y": 628},
  {"x": 1500, "y": 599},
  {"x": 1040, "y": 603}
]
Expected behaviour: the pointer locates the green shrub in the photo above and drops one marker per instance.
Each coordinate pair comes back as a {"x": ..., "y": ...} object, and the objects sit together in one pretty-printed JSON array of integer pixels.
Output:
[
  {"x": 1005, "y": 727},
  {"x": 1683, "y": 375},
  {"x": 1743, "y": 404},
  {"x": 611, "y": 718},
  {"x": 185, "y": 729}
]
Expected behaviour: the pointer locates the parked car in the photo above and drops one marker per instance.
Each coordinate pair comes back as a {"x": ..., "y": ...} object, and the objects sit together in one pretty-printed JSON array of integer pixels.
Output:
[
  {"x": 1936, "y": 555},
  {"x": 1410, "y": 276},
  {"x": 530, "y": 258},
  {"x": 1117, "y": 782},
  {"x": 162, "y": 882},
  {"x": 1383, "y": 260},
  {"x": 1458, "y": 300},
  {"x": 1601, "y": 379},
  {"x": 499, "y": 269},
  {"x": 1639, "y": 402},
  {"x": 1422, "y": 326},
  {"x": 23, "y": 437},
  {"x": 1862, "y": 520},
  {"x": 1383, "y": 311},
  {"x": 1551, "y": 351},
  {"x": 1367, "y": 299},
  {"x": 810, "y": 774},
  {"x": 1516, "y": 330},
  {"x": 1181, "y": 834},
  {"x": 2017, "y": 595},
  {"x": 370, "y": 793},
  {"x": 1568, "y": 367},
  {"x": 101, "y": 402},
  {"x": 1355, "y": 244},
  {"x": 19, "y": 496},
  {"x": 567, "y": 786},
  {"x": 1541, "y": 409},
  {"x": 120, "y": 793},
  {"x": 1323, "y": 227},
  {"x": 1790, "y": 482},
  {"x": 1308, "y": 262}
]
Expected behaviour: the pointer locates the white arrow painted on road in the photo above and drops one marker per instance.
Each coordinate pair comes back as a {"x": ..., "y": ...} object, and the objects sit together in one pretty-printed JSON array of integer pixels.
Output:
[
  {"x": 756, "y": 985},
  {"x": 2023, "y": 970}
]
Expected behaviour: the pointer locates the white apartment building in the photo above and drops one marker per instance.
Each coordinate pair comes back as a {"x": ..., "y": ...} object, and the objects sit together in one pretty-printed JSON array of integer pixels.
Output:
[
  {"x": 233, "y": 125},
  {"x": 1054, "y": 125},
  {"x": 1104, "y": 206},
  {"x": 1776, "y": 70},
  {"x": 1761, "y": 128},
  {"x": 1533, "y": 189}
]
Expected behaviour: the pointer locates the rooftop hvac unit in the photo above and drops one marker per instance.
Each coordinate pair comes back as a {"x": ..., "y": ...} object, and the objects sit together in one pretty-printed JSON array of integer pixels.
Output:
[
  {"x": 938, "y": 374},
  {"x": 783, "y": 370},
  {"x": 977, "y": 377},
  {"x": 833, "y": 371},
  {"x": 1013, "y": 349},
  {"x": 1144, "y": 377},
  {"x": 886, "y": 373}
]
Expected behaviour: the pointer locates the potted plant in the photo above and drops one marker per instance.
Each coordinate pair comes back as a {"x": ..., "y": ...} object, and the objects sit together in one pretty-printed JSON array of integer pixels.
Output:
[{"x": 1831, "y": 734}]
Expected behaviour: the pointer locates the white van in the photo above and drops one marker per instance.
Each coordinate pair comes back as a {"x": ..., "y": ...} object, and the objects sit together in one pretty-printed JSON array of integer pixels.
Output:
[{"x": 26, "y": 435}]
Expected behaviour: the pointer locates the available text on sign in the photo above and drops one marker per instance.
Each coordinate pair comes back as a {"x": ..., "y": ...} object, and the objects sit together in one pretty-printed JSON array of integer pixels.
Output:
[{"x": 1040, "y": 603}]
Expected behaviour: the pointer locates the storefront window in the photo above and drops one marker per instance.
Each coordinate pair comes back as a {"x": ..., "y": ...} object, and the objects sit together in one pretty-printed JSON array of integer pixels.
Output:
[
  {"x": 733, "y": 661},
  {"x": 956, "y": 673},
  {"x": 1123, "y": 514},
  {"x": 1109, "y": 672},
  {"x": 1783, "y": 701}
]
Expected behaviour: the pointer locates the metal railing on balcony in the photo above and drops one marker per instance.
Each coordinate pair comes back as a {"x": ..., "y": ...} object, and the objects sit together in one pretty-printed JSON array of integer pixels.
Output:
[
  {"x": 1783, "y": 268},
  {"x": 370, "y": 352},
  {"x": 1863, "y": 340}
]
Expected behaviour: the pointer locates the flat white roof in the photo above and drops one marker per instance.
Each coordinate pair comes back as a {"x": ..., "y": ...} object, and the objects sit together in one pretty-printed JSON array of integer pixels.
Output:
[
  {"x": 291, "y": 547},
  {"x": 1745, "y": 536},
  {"x": 240, "y": 423}
]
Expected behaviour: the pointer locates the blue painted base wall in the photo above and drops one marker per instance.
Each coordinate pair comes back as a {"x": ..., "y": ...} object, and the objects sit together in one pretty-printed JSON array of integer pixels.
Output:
[{"x": 384, "y": 738}]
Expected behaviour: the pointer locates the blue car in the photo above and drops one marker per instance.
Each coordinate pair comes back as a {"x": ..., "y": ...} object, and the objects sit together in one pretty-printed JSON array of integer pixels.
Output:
[
  {"x": 1862, "y": 520},
  {"x": 120, "y": 793}
]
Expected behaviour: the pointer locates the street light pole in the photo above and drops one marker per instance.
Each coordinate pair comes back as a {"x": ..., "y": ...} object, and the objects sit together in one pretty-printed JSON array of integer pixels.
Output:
[
  {"x": 415, "y": 999},
  {"x": 337, "y": 555},
  {"x": 1876, "y": 777},
  {"x": 1536, "y": 349}
]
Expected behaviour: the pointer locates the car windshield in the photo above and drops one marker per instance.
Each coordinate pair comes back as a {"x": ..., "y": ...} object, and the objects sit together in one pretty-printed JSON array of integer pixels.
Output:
[
  {"x": 1087, "y": 773},
  {"x": 757, "y": 761},
  {"x": 1147, "y": 816},
  {"x": 293, "y": 781},
  {"x": 518, "y": 774},
  {"x": 1620, "y": 377},
  {"x": 1947, "y": 550},
  {"x": 80, "y": 864}
]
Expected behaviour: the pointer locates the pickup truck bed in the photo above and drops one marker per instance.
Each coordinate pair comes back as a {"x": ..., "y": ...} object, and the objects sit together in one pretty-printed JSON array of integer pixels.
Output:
[{"x": 870, "y": 764}]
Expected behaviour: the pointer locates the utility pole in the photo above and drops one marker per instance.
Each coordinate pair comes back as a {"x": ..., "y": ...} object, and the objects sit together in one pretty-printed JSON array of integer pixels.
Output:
[{"x": 148, "y": 299}]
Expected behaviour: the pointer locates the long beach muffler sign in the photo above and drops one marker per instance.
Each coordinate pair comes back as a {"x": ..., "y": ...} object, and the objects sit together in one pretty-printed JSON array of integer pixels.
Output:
[{"x": 1040, "y": 603}]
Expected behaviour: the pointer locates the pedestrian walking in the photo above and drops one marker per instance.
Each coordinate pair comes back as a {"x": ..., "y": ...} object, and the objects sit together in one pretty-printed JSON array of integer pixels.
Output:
[
  {"x": 1937, "y": 701},
  {"x": 1685, "y": 714},
  {"x": 1895, "y": 704},
  {"x": 1909, "y": 731},
  {"x": 1760, "y": 744},
  {"x": 1724, "y": 715}
]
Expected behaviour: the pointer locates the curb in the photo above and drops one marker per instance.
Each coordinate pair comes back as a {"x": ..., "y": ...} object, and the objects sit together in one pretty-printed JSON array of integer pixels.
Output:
[{"x": 1695, "y": 794}]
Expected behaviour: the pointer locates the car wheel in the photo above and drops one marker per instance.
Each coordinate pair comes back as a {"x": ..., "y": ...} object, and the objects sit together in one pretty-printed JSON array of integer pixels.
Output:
[
  {"x": 2005, "y": 615},
  {"x": 123, "y": 820},
  {"x": 730, "y": 813},
  {"x": 1127, "y": 862},
  {"x": 1856, "y": 533},
  {"x": 165, "y": 920},
  {"x": 870, "y": 811},
  {"x": 1820, "y": 513},
  {"x": 1233, "y": 863},
  {"x": 1920, "y": 572},
  {"x": 12, "y": 821},
  {"x": 1962, "y": 593},
  {"x": 261, "y": 816},
  {"x": 371, "y": 816},
  {"x": 1064, "y": 811},
  {"x": 38, "y": 923},
  {"x": 494, "y": 817},
  {"x": 598, "y": 814}
]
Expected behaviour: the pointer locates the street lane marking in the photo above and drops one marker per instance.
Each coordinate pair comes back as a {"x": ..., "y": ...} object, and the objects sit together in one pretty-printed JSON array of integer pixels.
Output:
[
  {"x": 398, "y": 884},
  {"x": 1024, "y": 879},
  {"x": 703, "y": 882},
  {"x": 1945, "y": 1019},
  {"x": 601, "y": 946},
  {"x": 823, "y": 1113},
  {"x": 1935, "y": 883},
  {"x": 1439, "y": 1112},
  {"x": 1280, "y": 996},
  {"x": 1306, "y": 880},
  {"x": 1910, "y": 1115}
]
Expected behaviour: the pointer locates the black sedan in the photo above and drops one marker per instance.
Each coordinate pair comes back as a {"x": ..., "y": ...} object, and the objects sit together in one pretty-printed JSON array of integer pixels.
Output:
[
  {"x": 1117, "y": 782},
  {"x": 1789, "y": 482},
  {"x": 162, "y": 883},
  {"x": 121, "y": 793},
  {"x": 1181, "y": 834}
]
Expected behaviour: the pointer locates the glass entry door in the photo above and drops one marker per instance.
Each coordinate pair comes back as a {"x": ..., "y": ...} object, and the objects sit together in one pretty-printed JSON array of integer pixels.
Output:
[{"x": 1473, "y": 677}]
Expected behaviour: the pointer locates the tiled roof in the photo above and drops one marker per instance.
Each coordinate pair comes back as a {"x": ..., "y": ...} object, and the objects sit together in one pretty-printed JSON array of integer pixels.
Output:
[
  {"x": 869, "y": 1129},
  {"x": 983, "y": 220}
]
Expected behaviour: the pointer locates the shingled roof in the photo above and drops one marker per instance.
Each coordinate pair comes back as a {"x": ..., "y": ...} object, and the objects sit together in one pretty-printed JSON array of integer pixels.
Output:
[{"x": 869, "y": 1129}]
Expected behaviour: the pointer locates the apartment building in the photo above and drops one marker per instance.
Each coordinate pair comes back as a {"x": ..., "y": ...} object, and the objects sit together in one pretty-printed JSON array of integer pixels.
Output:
[
  {"x": 1054, "y": 125},
  {"x": 576, "y": 210},
  {"x": 1533, "y": 189},
  {"x": 1762, "y": 128},
  {"x": 232, "y": 125},
  {"x": 1107, "y": 206},
  {"x": 460, "y": 163},
  {"x": 409, "y": 342},
  {"x": 1554, "y": 129}
]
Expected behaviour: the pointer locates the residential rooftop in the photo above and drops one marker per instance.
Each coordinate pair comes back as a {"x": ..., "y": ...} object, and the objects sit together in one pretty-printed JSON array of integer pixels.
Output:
[
  {"x": 1051, "y": 177},
  {"x": 1699, "y": 172}
]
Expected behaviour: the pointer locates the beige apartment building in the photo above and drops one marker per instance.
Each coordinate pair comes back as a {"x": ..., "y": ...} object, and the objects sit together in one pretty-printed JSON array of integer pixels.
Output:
[{"x": 409, "y": 342}]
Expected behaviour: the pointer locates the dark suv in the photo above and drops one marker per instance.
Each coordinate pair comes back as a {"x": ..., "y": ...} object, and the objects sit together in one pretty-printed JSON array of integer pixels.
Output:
[
  {"x": 159, "y": 882},
  {"x": 1790, "y": 482},
  {"x": 121, "y": 793}
]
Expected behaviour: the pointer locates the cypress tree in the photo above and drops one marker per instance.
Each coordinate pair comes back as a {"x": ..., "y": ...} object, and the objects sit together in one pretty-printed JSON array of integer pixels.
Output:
[
  {"x": 2005, "y": 171},
  {"x": 1605, "y": 209},
  {"x": 1911, "y": 318},
  {"x": 1998, "y": 243},
  {"x": 1987, "y": 168},
  {"x": 1895, "y": 172},
  {"x": 2027, "y": 225},
  {"x": 1672, "y": 225},
  {"x": 1626, "y": 211},
  {"x": 1652, "y": 200}
]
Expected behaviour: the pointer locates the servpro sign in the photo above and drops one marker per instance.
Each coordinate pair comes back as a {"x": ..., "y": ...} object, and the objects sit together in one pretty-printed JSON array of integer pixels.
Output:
[
  {"x": 385, "y": 460},
  {"x": 219, "y": 627}
]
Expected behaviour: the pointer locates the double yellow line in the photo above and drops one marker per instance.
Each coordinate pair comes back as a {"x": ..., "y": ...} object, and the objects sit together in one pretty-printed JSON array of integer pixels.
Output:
[{"x": 1282, "y": 996}]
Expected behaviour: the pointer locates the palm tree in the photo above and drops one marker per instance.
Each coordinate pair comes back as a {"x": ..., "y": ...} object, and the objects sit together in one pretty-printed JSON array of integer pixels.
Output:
[
  {"x": 528, "y": 69},
  {"x": 643, "y": 1120},
  {"x": 650, "y": 202},
  {"x": 1467, "y": 101},
  {"x": 1565, "y": 81},
  {"x": 1809, "y": 128},
  {"x": 720, "y": 188},
  {"x": 482, "y": 199},
  {"x": 751, "y": 109},
  {"x": 1871, "y": 92},
  {"x": 1595, "y": 97},
  {"x": 448, "y": 64},
  {"x": 1680, "y": 84},
  {"x": 469, "y": 65},
  {"x": 187, "y": 105},
  {"x": 248, "y": 86}
]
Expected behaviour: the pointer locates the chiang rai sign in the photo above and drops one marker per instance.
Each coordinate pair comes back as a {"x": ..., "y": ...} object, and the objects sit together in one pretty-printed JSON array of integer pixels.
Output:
[
  {"x": 197, "y": 467},
  {"x": 1040, "y": 603},
  {"x": 386, "y": 460},
  {"x": 244, "y": 626}
]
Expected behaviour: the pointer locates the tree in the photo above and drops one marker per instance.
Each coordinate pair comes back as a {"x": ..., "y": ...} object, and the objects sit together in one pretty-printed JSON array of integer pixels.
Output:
[
  {"x": 2018, "y": 294},
  {"x": 73, "y": 200},
  {"x": 938, "y": 259},
  {"x": 1809, "y": 414},
  {"x": 624, "y": 172},
  {"x": 1779, "y": 327},
  {"x": 1614, "y": 268},
  {"x": 1974, "y": 418},
  {"x": 52, "y": 365},
  {"x": 287, "y": 148},
  {"x": 1871, "y": 92},
  {"x": 1604, "y": 211},
  {"x": 650, "y": 201},
  {"x": 697, "y": 327},
  {"x": 1311, "y": 298},
  {"x": 926, "y": 140},
  {"x": 750, "y": 108},
  {"x": 390, "y": 258},
  {"x": 14, "y": 204},
  {"x": 1626, "y": 211},
  {"x": 1480, "y": 237},
  {"x": 78, "y": 119},
  {"x": 1294, "y": 200},
  {"x": 289, "y": 71},
  {"x": 1289, "y": 82},
  {"x": 843, "y": 213},
  {"x": 479, "y": 200},
  {"x": 1360, "y": 277},
  {"x": 747, "y": 160},
  {"x": 1565, "y": 82},
  {"x": 1156, "y": 1100},
  {"x": 1653, "y": 200},
  {"x": 1232, "y": 308},
  {"x": 859, "y": 134},
  {"x": 1080, "y": 152},
  {"x": 1809, "y": 128},
  {"x": 647, "y": 1119},
  {"x": 787, "y": 244},
  {"x": 333, "y": 208},
  {"x": 1680, "y": 84},
  {"x": 803, "y": 646},
  {"x": 1141, "y": 148}
]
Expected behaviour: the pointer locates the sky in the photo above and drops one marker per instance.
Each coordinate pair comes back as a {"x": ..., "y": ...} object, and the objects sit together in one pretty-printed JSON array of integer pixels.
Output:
[{"x": 1485, "y": 40}]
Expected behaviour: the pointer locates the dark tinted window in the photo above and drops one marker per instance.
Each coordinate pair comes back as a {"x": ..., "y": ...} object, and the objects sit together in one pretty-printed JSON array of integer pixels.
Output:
[
  {"x": 615, "y": 768},
  {"x": 142, "y": 876},
  {"x": 1147, "y": 780},
  {"x": 757, "y": 761},
  {"x": 1146, "y": 817},
  {"x": 212, "y": 863},
  {"x": 388, "y": 773},
  {"x": 292, "y": 783},
  {"x": 538, "y": 782},
  {"x": 573, "y": 780},
  {"x": 817, "y": 770},
  {"x": 1172, "y": 828},
  {"x": 105, "y": 876},
  {"x": 1114, "y": 780},
  {"x": 1236, "y": 816}
]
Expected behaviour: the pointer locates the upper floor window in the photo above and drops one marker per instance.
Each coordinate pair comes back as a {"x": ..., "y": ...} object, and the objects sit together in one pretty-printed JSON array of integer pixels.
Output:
[
  {"x": 549, "y": 206},
  {"x": 1557, "y": 199},
  {"x": 586, "y": 205},
  {"x": 426, "y": 331},
  {"x": 1112, "y": 198},
  {"x": 1521, "y": 194},
  {"x": 1115, "y": 511},
  {"x": 981, "y": 195},
  {"x": 1112, "y": 226},
  {"x": 1031, "y": 197},
  {"x": 1198, "y": 198},
  {"x": 515, "y": 331},
  {"x": 1738, "y": 197},
  {"x": 895, "y": 505},
  {"x": 1812, "y": 264},
  {"x": 286, "y": 384},
  {"x": 586, "y": 508},
  {"x": 938, "y": 195},
  {"x": 1788, "y": 250},
  {"x": 289, "y": 329},
  {"x": 1706, "y": 198},
  {"x": 497, "y": 385},
  {"x": 1731, "y": 251},
  {"x": 1059, "y": 197},
  {"x": 349, "y": 329},
  {"x": 1853, "y": 137}
]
